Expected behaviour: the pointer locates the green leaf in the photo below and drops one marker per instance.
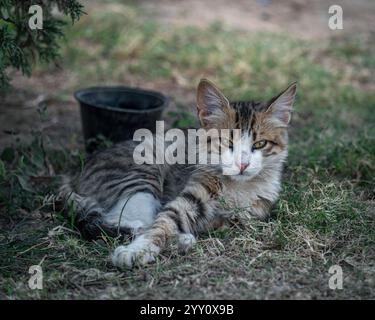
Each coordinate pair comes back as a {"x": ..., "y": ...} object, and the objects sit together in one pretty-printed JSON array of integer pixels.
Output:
[{"x": 19, "y": 47}]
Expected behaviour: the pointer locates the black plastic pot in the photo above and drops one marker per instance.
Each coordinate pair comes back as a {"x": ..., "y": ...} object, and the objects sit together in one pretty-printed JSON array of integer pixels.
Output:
[{"x": 114, "y": 113}]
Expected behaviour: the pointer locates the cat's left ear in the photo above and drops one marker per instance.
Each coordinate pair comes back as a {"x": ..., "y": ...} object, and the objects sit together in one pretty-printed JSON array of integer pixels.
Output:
[{"x": 281, "y": 106}]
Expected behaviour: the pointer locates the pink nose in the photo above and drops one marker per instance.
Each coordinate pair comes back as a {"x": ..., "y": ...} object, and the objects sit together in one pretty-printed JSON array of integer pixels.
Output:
[{"x": 243, "y": 167}]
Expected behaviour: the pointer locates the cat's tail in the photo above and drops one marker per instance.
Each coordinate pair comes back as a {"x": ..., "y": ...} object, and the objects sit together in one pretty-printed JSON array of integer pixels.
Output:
[{"x": 85, "y": 212}]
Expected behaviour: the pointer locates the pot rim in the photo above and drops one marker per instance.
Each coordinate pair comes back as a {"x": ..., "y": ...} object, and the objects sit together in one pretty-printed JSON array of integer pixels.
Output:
[{"x": 78, "y": 95}]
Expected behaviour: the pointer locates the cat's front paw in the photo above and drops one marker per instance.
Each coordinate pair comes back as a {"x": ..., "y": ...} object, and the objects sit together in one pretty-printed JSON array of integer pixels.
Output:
[
  {"x": 185, "y": 242},
  {"x": 140, "y": 251}
]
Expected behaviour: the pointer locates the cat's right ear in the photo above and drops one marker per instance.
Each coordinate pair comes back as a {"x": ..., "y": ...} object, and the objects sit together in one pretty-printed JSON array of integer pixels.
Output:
[{"x": 212, "y": 105}]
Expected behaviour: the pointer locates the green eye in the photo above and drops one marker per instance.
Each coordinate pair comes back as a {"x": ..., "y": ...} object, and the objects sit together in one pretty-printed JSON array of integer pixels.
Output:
[{"x": 259, "y": 144}]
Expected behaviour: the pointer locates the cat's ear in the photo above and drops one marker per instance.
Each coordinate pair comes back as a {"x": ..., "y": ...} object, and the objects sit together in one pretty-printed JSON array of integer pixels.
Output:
[
  {"x": 212, "y": 105},
  {"x": 281, "y": 106}
]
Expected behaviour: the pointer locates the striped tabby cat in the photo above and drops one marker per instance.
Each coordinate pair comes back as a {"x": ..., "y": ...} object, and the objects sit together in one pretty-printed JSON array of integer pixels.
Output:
[{"x": 156, "y": 202}]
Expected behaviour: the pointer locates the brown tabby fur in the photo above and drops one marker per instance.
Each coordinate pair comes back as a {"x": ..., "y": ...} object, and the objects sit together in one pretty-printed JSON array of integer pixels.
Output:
[{"x": 157, "y": 202}]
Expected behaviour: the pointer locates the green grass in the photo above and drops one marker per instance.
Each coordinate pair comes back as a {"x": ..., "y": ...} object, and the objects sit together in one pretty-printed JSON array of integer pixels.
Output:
[{"x": 325, "y": 214}]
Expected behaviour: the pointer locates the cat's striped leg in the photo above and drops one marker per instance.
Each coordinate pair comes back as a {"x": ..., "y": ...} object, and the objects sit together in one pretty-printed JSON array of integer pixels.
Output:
[{"x": 184, "y": 216}]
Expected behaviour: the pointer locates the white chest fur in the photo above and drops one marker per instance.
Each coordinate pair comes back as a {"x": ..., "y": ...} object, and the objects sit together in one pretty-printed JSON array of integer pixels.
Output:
[{"x": 242, "y": 194}]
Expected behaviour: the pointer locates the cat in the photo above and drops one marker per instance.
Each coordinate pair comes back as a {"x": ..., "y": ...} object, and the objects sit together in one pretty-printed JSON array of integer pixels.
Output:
[{"x": 157, "y": 202}]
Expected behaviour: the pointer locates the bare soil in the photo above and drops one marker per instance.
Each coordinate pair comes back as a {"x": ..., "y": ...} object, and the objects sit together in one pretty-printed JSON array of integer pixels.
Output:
[{"x": 299, "y": 18}]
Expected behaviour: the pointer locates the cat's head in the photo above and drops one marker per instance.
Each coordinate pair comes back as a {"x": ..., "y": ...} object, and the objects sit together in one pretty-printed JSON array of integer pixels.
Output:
[{"x": 260, "y": 141}]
